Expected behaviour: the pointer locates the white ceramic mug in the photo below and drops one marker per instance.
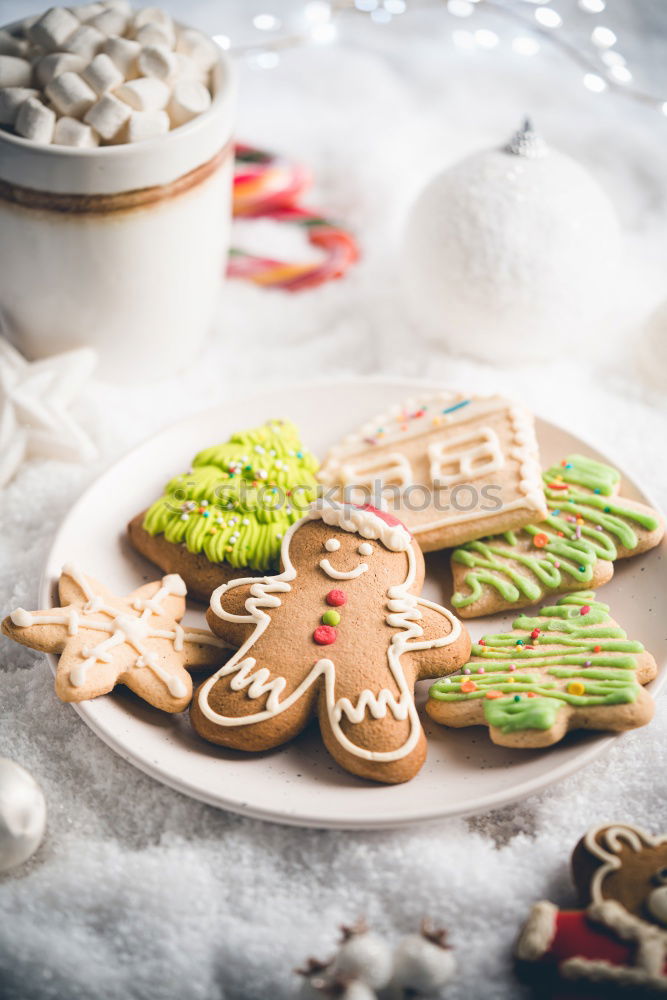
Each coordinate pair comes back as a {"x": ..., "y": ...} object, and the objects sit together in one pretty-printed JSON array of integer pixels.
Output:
[{"x": 121, "y": 248}]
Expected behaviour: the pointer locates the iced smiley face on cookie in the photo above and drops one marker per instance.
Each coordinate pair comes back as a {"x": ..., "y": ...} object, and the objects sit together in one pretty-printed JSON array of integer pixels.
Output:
[{"x": 341, "y": 632}]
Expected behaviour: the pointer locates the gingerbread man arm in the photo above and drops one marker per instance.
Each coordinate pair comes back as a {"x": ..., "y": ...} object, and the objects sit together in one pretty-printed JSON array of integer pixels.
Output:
[
  {"x": 228, "y": 616},
  {"x": 444, "y": 646}
]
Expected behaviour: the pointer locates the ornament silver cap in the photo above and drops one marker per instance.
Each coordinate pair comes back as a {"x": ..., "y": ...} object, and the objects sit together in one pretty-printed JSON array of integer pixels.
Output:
[{"x": 527, "y": 143}]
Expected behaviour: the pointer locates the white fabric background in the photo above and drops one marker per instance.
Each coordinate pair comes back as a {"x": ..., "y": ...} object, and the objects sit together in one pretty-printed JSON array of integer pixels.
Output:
[{"x": 140, "y": 893}]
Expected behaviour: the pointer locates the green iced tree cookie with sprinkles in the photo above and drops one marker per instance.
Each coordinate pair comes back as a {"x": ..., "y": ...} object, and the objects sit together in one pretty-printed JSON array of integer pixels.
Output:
[
  {"x": 569, "y": 666},
  {"x": 588, "y": 527},
  {"x": 231, "y": 509}
]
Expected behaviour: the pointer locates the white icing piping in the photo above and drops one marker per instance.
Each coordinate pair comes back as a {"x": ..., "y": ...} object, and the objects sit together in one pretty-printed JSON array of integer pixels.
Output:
[
  {"x": 404, "y": 615},
  {"x": 337, "y": 574},
  {"x": 123, "y": 626}
]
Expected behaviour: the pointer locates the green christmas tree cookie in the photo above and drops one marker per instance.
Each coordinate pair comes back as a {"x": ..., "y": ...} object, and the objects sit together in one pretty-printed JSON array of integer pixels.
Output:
[
  {"x": 570, "y": 666},
  {"x": 230, "y": 510},
  {"x": 587, "y": 529}
]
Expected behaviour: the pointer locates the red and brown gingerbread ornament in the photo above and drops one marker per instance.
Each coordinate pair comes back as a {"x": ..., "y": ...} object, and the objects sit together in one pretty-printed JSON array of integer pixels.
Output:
[{"x": 617, "y": 944}]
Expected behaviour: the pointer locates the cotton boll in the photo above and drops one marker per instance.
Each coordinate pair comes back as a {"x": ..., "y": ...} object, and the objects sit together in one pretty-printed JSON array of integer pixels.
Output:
[
  {"x": 364, "y": 956},
  {"x": 22, "y": 815},
  {"x": 358, "y": 990},
  {"x": 421, "y": 965},
  {"x": 510, "y": 250}
]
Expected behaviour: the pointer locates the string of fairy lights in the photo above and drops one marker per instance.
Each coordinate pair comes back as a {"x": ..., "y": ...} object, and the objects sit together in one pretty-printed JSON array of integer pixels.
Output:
[{"x": 533, "y": 23}]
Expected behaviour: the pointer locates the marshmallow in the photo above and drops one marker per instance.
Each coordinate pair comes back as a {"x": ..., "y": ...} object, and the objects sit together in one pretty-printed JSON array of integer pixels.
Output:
[
  {"x": 57, "y": 63},
  {"x": 108, "y": 116},
  {"x": 71, "y": 132},
  {"x": 154, "y": 34},
  {"x": 159, "y": 61},
  {"x": 14, "y": 72},
  {"x": 102, "y": 74},
  {"x": 85, "y": 41},
  {"x": 201, "y": 49},
  {"x": 86, "y": 10},
  {"x": 153, "y": 15},
  {"x": 124, "y": 6},
  {"x": 11, "y": 99},
  {"x": 11, "y": 46},
  {"x": 53, "y": 28},
  {"x": 70, "y": 94},
  {"x": 189, "y": 99},
  {"x": 187, "y": 68},
  {"x": 109, "y": 22},
  {"x": 35, "y": 121},
  {"x": 145, "y": 94},
  {"x": 146, "y": 125},
  {"x": 124, "y": 52}
]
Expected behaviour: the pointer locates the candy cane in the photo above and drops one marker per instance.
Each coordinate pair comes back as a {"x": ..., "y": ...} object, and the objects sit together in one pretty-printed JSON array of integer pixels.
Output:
[{"x": 267, "y": 187}]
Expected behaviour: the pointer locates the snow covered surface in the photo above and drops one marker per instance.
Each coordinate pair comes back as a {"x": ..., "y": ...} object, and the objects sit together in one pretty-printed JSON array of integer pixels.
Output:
[{"x": 140, "y": 893}]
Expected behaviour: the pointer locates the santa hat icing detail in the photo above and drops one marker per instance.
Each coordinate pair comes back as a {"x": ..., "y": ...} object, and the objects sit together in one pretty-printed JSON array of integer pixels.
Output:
[{"x": 367, "y": 521}]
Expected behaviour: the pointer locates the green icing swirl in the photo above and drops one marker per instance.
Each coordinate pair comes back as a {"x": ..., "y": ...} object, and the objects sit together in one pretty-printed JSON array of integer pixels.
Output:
[
  {"x": 572, "y": 630},
  {"x": 572, "y": 549},
  {"x": 239, "y": 498}
]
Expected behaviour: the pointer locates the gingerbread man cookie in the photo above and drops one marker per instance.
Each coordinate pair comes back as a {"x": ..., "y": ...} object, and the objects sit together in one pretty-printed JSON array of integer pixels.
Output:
[
  {"x": 341, "y": 632},
  {"x": 104, "y": 640},
  {"x": 617, "y": 945},
  {"x": 568, "y": 667}
]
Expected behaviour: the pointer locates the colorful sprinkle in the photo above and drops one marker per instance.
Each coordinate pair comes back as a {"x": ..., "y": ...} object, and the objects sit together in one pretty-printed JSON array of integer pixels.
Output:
[
  {"x": 467, "y": 670},
  {"x": 336, "y": 598},
  {"x": 540, "y": 540},
  {"x": 330, "y": 618},
  {"x": 457, "y": 406},
  {"x": 493, "y": 694},
  {"x": 535, "y": 633},
  {"x": 576, "y": 687},
  {"x": 517, "y": 697},
  {"x": 324, "y": 635},
  {"x": 481, "y": 670},
  {"x": 597, "y": 649},
  {"x": 585, "y": 609},
  {"x": 512, "y": 666},
  {"x": 468, "y": 686}
]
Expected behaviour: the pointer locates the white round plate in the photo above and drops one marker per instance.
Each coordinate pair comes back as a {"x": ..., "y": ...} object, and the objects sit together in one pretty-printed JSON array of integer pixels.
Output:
[{"x": 299, "y": 783}]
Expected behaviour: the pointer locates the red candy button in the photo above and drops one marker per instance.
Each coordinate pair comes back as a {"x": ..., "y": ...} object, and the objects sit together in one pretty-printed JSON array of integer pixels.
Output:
[
  {"x": 324, "y": 635},
  {"x": 336, "y": 599}
]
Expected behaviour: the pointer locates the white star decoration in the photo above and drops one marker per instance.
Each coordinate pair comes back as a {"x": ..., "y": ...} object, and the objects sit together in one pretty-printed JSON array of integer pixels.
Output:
[{"x": 34, "y": 398}]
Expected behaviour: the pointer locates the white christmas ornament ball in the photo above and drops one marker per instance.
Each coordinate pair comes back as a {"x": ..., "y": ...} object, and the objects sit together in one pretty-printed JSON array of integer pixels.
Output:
[
  {"x": 510, "y": 253},
  {"x": 22, "y": 815}
]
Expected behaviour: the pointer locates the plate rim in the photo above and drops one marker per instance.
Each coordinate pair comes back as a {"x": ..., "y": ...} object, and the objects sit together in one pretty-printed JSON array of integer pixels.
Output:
[{"x": 599, "y": 742}]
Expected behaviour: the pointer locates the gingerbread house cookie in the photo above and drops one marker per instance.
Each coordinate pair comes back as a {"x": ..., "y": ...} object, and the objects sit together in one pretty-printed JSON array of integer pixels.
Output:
[{"x": 452, "y": 468}]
